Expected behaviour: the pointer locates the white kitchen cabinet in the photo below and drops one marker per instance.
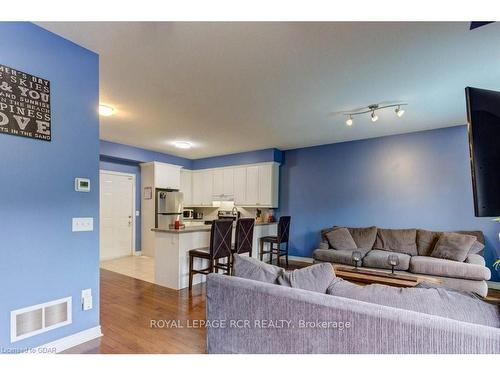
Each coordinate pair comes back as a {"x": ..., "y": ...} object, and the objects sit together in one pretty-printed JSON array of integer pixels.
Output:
[
  {"x": 257, "y": 185},
  {"x": 240, "y": 185},
  {"x": 202, "y": 188},
  {"x": 223, "y": 184},
  {"x": 187, "y": 187},
  {"x": 252, "y": 194},
  {"x": 167, "y": 176}
]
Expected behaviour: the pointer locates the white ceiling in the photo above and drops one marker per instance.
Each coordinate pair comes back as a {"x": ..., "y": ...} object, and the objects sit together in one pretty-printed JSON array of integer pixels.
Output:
[{"x": 233, "y": 87}]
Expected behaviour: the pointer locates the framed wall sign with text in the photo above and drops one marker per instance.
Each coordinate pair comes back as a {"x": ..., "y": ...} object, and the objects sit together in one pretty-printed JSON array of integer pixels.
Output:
[{"x": 24, "y": 104}]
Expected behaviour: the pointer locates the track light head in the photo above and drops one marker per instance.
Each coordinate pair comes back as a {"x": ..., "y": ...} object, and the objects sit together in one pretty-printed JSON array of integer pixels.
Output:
[
  {"x": 374, "y": 116},
  {"x": 349, "y": 121},
  {"x": 399, "y": 112}
]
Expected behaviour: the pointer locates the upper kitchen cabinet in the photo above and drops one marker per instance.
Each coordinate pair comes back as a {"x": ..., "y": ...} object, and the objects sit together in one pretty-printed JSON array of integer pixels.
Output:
[
  {"x": 161, "y": 176},
  {"x": 223, "y": 184},
  {"x": 202, "y": 183},
  {"x": 256, "y": 185},
  {"x": 167, "y": 176},
  {"x": 187, "y": 186}
]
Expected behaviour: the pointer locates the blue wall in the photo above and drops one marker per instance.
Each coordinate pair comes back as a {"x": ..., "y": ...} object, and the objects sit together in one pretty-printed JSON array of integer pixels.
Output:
[
  {"x": 411, "y": 180},
  {"x": 42, "y": 259}
]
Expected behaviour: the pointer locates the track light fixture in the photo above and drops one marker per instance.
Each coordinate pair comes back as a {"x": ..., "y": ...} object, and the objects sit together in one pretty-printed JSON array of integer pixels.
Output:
[
  {"x": 373, "y": 108},
  {"x": 349, "y": 121}
]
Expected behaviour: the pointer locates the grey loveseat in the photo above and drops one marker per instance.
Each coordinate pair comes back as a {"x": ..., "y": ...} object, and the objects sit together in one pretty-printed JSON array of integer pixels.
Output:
[
  {"x": 248, "y": 316},
  {"x": 414, "y": 248}
]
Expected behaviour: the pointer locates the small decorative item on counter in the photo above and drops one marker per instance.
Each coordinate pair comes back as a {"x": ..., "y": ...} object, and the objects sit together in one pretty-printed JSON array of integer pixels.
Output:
[
  {"x": 177, "y": 224},
  {"x": 258, "y": 217},
  {"x": 270, "y": 218}
]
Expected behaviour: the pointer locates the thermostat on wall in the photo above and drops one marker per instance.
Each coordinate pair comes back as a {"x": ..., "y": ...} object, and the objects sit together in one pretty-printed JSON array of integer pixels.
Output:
[{"x": 82, "y": 184}]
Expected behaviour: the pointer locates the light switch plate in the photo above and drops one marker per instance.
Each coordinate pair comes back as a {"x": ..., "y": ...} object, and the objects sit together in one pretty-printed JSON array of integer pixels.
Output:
[
  {"x": 86, "y": 299},
  {"x": 83, "y": 224}
]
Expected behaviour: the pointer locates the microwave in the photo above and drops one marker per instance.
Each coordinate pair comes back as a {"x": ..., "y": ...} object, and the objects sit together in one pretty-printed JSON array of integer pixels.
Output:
[{"x": 188, "y": 214}]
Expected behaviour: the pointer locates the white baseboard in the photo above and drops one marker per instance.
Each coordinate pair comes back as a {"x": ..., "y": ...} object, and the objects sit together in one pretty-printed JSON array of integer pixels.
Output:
[
  {"x": 493, "y": 285},
  {"x": 138, "y": 253},
  {"x": 300, "y": 259},
  {"x": 69, "y": 341}
]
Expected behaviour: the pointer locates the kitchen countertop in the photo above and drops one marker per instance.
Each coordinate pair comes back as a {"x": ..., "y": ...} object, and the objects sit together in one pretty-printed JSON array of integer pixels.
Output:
[{"x": 196, "y": 228}]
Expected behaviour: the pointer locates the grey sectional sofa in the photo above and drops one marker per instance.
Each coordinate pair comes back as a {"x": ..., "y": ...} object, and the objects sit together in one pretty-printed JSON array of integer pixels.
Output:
[
  {"x": 249, "y": 316},
  {"x": 414, "y": 248}
]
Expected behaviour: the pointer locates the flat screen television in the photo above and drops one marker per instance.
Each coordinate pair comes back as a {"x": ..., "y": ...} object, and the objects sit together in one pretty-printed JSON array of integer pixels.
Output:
[{"x": 483, "y": 117}]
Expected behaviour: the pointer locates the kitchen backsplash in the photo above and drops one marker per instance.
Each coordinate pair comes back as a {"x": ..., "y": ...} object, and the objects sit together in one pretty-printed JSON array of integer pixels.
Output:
[{"x": 210, "y": 213}]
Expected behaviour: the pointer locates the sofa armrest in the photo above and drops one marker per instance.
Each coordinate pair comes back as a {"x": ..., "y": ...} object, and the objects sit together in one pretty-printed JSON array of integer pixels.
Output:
[
  {"x": 241, "y": 312},
  {"x": 476, "y": 259}
]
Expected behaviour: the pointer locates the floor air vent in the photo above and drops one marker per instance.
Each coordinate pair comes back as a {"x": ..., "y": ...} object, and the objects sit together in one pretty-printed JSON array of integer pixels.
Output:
[{"x": 33, "y": 320}]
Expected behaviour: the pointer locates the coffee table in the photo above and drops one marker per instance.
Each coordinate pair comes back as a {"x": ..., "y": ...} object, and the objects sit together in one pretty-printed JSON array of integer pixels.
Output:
[{"x": 368, "y": 276}]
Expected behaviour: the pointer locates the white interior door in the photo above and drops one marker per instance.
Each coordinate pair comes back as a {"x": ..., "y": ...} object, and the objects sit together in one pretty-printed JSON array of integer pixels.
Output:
[{"x": 116, "y": 215}]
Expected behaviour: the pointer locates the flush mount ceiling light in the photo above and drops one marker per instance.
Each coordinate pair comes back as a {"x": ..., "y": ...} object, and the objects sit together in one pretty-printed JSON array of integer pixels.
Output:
[
  {"x": 373, "y": 108},
  {"x": 183, "y": 144},
  {"x": 106, "y": 110}
]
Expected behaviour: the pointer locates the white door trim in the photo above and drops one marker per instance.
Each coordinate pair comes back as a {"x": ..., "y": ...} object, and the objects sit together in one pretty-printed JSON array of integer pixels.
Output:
[{"x": 133, "y": 201}]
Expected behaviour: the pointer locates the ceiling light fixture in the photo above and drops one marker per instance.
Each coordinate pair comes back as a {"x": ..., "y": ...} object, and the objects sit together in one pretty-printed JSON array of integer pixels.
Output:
[
  {"x": 182, "y": 144},
  {"x": 349, "y": 121},
  {"x": 372, "y": 109},
  {"x": 106, "y": 110},
  {"x": 399, "y": 112}
]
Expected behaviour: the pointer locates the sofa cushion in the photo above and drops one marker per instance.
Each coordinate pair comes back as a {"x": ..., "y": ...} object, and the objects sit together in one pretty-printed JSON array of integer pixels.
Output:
[
  {"x": 337, "y": 256},
  {"x": 364, "y": 237},
  {"x": 448, "y": 268},
  {"x": 340, "y": 239},
  {"x": 398, "y": 240},
  {"x": 434, "y": 301},
  {"x": 378, "y": 259},
  {"x": 315, "y": 278},
  {"x": 426, "y": 240},
  {"x": 253, "y": 269},
  {"x": 453, "y": 246}
]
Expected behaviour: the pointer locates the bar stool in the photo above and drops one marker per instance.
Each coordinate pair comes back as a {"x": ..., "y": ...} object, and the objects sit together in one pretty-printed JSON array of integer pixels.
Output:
[
  {"x": 244, "y": 237},
  {"x": 219, "y": 248},
  {"x": 276, "y": 241}
]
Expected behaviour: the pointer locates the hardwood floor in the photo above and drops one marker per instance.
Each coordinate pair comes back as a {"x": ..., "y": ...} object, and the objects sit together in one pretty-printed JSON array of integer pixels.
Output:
[{"x": 127, "y": 307}]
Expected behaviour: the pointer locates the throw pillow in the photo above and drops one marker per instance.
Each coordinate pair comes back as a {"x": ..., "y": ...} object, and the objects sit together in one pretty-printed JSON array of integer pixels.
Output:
[
  {"x": 477, "y": 247},
  {"x": 453, "y": 246},
  {"x": 426, "y": 240},
  {"x": 398, "y": 240},
  {"x": 315, "y": 278},
  {"x": 253, "y": 269},
  {"x": 364, "y": 237},
  {"x": 341, "y": 239}
]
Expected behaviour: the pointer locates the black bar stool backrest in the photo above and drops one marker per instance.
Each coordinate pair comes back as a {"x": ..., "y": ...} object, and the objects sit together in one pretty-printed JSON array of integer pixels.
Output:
[
  {"x": 220, "y": 238},
  {"x": 284, "y": 229},
  {"x": 244, "y": 235}
]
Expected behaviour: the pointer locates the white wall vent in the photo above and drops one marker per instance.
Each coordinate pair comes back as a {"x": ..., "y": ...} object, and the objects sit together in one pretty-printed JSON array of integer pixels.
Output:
[{"x": 33, "y": 320}]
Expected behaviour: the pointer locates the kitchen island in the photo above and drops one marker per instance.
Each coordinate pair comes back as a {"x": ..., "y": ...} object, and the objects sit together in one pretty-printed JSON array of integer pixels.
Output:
[{"x": 171, "y": 247}]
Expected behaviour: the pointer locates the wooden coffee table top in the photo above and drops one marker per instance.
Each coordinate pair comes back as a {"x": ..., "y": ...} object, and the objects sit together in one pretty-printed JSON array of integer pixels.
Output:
[{"x": 367, "y": 276}]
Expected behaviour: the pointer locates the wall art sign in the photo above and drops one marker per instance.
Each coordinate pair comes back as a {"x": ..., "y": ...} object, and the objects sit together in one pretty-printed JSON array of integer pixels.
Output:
[{"x": 24, "y": 104}]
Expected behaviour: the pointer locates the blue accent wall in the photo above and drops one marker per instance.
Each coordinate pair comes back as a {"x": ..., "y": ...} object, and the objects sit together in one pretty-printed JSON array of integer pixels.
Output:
[
  {"x": 42, "y": 259},
  {"x": 418, "y": 180}
]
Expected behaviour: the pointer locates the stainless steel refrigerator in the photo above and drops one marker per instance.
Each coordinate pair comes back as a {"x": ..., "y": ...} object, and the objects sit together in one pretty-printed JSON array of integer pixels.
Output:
[{"x": 169, "y": 206}]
